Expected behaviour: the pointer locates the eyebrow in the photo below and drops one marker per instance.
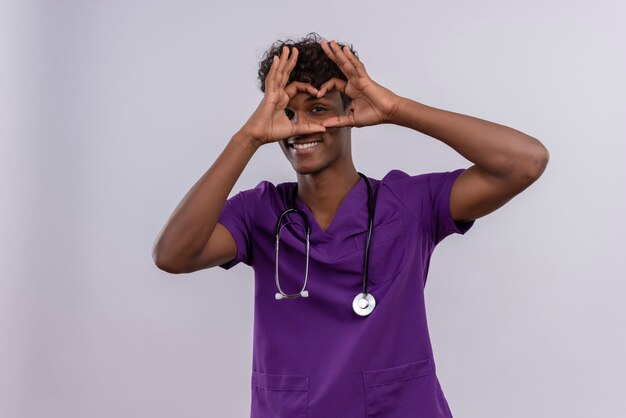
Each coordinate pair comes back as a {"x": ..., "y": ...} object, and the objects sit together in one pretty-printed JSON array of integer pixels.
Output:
[
  {"x": 308, "y": 99},
  {"x": 326, "y": 99}
]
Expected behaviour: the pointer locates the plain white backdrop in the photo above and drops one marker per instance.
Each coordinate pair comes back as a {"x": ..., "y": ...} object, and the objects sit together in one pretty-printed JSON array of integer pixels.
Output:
[{"x": 111, "y": 110}]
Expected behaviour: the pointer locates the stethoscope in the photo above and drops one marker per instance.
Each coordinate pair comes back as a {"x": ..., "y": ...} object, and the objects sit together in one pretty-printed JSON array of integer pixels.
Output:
[{"x": 363, "y": 303}]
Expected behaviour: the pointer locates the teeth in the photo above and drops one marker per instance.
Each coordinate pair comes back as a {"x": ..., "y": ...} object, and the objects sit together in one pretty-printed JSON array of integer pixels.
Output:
[{"x": 303, "y": 146}]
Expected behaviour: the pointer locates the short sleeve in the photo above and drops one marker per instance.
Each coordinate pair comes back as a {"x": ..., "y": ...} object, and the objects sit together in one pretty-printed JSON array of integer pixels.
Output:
[
  {"x": 236, "y": 216},
  {"x": 440, "y": 186}
]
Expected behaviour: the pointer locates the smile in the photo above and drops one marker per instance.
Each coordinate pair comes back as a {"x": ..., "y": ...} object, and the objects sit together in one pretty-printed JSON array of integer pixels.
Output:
[
  {"x": 308, "y": 145},
  {"x": 304, "y": 147}
]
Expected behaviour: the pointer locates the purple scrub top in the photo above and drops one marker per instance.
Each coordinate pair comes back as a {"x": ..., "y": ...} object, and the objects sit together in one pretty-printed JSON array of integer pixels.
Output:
[{"x": 315, "y": 357}]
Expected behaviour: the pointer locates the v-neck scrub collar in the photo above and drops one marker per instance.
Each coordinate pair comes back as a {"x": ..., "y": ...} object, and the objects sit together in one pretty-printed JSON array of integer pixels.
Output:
[{"x": 357, "y": 196}]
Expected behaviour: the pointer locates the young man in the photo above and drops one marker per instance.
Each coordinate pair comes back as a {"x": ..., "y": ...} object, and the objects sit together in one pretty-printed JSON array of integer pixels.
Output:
[{"x": 340, "y": 326}]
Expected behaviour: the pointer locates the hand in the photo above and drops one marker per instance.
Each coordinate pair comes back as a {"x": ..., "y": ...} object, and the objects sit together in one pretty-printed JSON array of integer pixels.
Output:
[
  {"x": 269, "y": 123},
  {"x": 372, "y": 104}
]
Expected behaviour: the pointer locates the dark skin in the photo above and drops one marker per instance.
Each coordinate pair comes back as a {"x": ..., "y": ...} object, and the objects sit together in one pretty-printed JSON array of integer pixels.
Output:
[
  {"x": 326, "y": 175},
  {"x": 506, "y": 161}
]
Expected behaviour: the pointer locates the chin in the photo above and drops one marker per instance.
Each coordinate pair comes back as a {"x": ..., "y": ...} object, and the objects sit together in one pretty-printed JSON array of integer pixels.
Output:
[{"x": 308, "y": 169}]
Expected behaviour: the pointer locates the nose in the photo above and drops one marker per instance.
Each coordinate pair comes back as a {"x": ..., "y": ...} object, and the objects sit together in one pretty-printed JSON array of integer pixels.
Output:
[{"x": 300, "y": 117}]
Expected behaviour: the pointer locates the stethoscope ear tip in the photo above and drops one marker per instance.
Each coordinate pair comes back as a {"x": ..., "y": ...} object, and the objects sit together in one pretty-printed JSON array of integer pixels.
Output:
[{"x": 304, "y": 294}]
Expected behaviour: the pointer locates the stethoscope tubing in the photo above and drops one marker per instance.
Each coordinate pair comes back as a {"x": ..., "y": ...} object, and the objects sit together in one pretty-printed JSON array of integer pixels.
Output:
[
  {"x": 279, "y": 228},
  {"x": 362, "y": 300}
]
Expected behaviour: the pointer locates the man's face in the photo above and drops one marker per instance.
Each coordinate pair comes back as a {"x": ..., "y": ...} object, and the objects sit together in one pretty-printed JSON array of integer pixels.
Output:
[{"x": 333, "y": 146}]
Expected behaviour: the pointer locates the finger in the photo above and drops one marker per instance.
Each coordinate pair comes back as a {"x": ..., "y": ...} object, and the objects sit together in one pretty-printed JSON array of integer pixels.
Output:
[
  {"x": 307, "y": 128},
  {"x": 332, "y": 84},
  {"x": 269, "y": 79},
  {"x": 284, "y": 56},
  {"x": 290, "y": 64},
  {"x": 329, "y": 52},
  {"x": 281, "y": 61},
  {"x": 339, "y": 121},
  {"x": 344, "y": 63},
  {"x": 296, "y": 87},
  {"x": 358, "y": 65}
]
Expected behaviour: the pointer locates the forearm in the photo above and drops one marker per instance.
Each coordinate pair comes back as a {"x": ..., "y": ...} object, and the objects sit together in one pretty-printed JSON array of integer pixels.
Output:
[
  {"x": 498, "y": 149},
  {"x": 191, "y": 224}
]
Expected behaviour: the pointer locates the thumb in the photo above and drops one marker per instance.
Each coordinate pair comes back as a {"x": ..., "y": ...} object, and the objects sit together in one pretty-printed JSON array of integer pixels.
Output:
[
  {"x": 307, "y": 128},
  {"x": 340, "y": 121}
]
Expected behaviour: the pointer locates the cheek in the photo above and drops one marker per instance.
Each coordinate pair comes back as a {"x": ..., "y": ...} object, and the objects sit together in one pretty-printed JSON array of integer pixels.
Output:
[{"x": 338, "y": 138}]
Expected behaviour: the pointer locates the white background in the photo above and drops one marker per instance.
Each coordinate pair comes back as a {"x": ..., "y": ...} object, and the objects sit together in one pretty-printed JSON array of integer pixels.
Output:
[{"x": 111, "y": 110}]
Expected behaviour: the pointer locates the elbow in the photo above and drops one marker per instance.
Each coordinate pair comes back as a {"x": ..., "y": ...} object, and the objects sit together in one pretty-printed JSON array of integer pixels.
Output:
[
  {"x": 169, "y": 268},
  {"x": 535, "y": 163},
  {"x": 165, "y": 264},
  {"x": 540, "y": 160}
]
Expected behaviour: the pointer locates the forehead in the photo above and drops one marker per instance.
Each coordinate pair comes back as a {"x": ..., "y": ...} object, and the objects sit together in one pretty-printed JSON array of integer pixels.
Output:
[{"x": 304, "y": 98}]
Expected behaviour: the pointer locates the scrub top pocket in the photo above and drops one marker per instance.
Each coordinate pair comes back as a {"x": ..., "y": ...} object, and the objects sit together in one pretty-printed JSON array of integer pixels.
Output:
[
  {"x": 408, "y": 390},
  {"x": 386, "y": 250},
  {"x": 279, "y": 396}
]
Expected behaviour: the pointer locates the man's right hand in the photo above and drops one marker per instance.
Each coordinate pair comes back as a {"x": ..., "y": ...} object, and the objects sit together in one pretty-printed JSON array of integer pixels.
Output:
[{"x": 269, "y": 123}]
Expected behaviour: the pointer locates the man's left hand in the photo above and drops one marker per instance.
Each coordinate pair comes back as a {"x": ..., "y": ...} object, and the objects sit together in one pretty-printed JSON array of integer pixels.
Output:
[{"x": 372, "y": 104}]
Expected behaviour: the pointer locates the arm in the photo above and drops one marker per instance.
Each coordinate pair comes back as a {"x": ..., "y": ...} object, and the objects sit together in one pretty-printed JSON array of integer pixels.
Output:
[
  {"x": 193, "y": 224},
  {"x": 506, "y": 161},
  {"x": 192, "y": 239}
]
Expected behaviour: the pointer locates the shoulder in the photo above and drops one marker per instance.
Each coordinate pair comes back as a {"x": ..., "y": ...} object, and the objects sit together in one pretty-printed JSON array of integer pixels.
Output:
[
  {"x": 262, "y": 189},
  {"x": 421, "y": 189},
  {"x": 397, "y": 179},
  {"x": 265, "y": 193}
]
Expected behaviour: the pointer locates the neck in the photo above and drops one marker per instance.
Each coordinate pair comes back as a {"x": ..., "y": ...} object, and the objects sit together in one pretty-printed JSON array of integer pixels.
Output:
[{"x": 323, "y": 192}]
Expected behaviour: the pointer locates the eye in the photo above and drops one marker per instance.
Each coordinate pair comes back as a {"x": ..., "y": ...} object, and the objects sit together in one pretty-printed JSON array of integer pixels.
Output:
[
  {"x": 321, "y": 109},
  {"x": 289, "y": 114}
]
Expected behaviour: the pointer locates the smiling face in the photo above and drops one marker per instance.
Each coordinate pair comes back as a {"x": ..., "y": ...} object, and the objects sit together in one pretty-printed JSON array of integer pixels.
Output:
[{"x": 325, "y": 149}]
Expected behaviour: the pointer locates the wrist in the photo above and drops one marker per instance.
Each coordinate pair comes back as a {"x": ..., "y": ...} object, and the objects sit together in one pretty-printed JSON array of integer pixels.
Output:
[
  {"x": 247, "y": 141},
  {"x": 396, "y": 116},
  {"x": 407, "y": 113}
]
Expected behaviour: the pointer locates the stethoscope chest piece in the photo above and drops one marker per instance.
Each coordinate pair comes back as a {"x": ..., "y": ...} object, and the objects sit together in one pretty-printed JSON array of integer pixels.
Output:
[{"x": 363, "y": 304}]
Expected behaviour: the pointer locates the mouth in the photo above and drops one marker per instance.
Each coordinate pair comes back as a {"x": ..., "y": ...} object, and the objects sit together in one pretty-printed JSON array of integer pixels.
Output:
[{"x": 300, "y": 147}]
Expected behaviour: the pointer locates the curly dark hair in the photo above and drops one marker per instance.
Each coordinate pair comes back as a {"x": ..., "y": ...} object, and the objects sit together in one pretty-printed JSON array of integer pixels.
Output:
[{"x": 313, "y": 66}]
